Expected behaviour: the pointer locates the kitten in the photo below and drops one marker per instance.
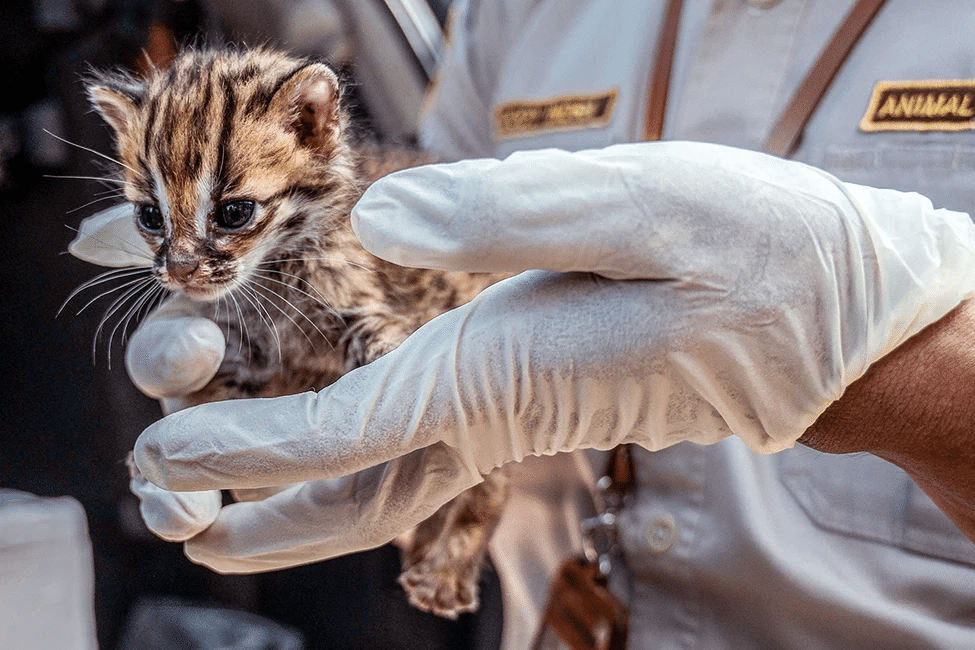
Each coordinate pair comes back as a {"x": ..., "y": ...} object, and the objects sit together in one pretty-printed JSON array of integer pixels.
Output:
[{"x": 242, "y": 173}]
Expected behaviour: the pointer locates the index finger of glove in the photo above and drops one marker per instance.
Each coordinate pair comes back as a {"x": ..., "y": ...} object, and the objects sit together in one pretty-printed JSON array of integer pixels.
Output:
[
  {"x": 374, "y": 414},
  {"x": 252, "y": 443},
  {"x": 648, "y": 210}
]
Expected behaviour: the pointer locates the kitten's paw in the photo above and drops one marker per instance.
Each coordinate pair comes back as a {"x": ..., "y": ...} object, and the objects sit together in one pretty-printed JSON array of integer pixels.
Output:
[{"x": 443, "y": 590}]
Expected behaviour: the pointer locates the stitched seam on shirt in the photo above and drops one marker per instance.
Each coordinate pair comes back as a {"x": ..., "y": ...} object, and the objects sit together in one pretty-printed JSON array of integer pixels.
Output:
[{"x": 954, "y": 157}]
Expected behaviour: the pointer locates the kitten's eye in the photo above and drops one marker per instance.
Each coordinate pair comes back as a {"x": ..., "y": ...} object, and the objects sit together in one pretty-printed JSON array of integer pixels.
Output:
[
  {"x": 150, "y": 218},
  {"x": 234, "y": 215}
]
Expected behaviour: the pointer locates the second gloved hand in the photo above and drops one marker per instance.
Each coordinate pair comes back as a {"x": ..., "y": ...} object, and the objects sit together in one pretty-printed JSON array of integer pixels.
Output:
[{"x": 690, "y": 292}]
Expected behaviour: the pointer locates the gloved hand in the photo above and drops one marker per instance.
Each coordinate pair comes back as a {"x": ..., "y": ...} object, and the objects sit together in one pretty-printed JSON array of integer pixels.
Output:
[{"x": 691, "y": 292}]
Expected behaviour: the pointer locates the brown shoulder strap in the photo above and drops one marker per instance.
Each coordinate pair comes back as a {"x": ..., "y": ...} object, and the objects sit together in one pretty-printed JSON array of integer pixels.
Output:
[
  {"x": 663, "y": 63},
  {"x": 788, "y": 129}
]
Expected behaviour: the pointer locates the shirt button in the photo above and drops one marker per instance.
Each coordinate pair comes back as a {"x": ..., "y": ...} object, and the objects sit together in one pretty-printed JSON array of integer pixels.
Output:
[{"x": 662, "y": 533}]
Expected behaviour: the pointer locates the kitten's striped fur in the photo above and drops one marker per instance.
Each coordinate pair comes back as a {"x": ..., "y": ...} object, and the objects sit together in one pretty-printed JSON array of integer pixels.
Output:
[{"x": 222, "y": 135}]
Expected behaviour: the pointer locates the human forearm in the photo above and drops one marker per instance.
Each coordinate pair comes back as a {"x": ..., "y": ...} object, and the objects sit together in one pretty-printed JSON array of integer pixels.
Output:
[{"x": 914, "y": 408}]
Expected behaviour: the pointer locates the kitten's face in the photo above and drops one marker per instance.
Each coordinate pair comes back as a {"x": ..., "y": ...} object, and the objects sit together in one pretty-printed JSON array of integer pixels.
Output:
[{"x": 229, "y": 158}]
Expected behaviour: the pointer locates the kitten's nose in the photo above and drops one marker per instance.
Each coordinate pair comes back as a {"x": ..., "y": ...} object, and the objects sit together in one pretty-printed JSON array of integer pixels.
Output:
[{"x": 181, "y": 268}]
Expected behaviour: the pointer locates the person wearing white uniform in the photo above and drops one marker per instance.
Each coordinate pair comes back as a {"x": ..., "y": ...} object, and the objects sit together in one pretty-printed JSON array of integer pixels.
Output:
[
  {"x": 746, "y": 294},
  {"x": 838, "y": 547}
]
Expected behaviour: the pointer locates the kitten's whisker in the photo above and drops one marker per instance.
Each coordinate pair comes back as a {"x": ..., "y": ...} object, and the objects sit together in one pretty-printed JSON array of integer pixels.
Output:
[
  {"x": 97, "y": 153},
  {"x": 105, "y": 319},
  {"x": 114, "y": 274},
  {"x": 317, "y": 259},
  {"x": 243, "y": 326},
  {"x": 257, "y": 285},
  {"x": 158, "y": 293},
  {"x": 154, "y": 297},
  {"x": 108, "y": 276},
  {"x": 320, "y": 299},
  {"x": 134, "y": 287},
  {"x": 221, "y": 304},
  {"x": 225, "y": 303},
  {"x": 113, "y": 195},
  {"x": 101, "y": 179},
  {"x": 254, "y": 286},
  {"x": 256, "y": 301},
  {"x": 112, "y": 309},
  {"x": 124, "y": 286},
  {"x": 133, "y": 309}
]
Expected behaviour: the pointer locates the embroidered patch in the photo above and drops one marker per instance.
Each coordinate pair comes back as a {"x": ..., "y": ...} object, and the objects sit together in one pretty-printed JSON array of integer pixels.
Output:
[
  {"x": 565, "y": 113},
  {"x": 921, "y": 106}
]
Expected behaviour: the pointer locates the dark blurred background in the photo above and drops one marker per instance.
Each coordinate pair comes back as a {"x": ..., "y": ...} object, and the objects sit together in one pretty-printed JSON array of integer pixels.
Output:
[{"x": 69, "y": 414}]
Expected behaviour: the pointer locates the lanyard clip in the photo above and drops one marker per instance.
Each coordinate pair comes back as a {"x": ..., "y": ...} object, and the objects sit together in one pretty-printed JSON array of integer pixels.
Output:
[
  {"x": 600, "y": 534},
  {"x": 600, "y": 539}
]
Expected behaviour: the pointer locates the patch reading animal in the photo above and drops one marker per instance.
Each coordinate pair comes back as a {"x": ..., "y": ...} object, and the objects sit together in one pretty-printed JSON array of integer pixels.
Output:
[{"x": 921, "y": 106}]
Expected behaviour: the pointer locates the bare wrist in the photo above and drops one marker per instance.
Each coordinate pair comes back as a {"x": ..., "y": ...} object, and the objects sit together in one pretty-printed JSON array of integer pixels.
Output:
[{"x": 914, "y": 408}]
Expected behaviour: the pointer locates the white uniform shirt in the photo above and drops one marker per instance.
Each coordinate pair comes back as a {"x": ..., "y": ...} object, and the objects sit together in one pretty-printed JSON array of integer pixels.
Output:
[{"x": 725, "y": 548}]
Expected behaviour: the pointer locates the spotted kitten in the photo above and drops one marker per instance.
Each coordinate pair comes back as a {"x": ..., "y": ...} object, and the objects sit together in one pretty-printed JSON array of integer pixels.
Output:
[{"x": 242, "y": 174}]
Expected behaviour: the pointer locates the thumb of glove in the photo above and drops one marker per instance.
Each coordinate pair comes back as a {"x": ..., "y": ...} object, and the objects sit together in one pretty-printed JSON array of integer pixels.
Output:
[
  {"x": 174, "y": 516},
  {"x": 170, "y": 356}
]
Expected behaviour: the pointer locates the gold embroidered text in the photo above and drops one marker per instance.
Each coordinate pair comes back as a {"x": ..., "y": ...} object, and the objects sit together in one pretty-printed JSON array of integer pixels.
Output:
[
  {"x": 558, "y": 114},
  {"x": 921, "y": 106}
]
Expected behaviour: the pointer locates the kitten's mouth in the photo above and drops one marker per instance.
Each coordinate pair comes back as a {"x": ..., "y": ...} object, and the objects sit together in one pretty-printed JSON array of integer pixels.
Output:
[
  {"x": 205, "y": 294},
  {"x": 202, "y": 292},
  {"x": 196, "y": 282}
]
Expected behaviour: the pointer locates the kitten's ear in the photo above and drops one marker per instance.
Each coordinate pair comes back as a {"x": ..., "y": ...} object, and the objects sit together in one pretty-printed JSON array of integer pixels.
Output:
[
  {"x": 310, "y": 103},
  {"x": 116, "y": 99}
]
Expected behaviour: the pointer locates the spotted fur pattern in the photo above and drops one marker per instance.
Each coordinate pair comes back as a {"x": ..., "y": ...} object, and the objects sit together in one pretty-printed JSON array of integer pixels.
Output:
[{"x": 243, "y": 175}]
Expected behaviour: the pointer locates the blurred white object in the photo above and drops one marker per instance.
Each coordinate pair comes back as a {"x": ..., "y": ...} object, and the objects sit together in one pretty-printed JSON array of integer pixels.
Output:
[
  {"x": 46, "y": 574},
  {"x": 421, "y": 30},
  {"x": 111, "y": 238}
]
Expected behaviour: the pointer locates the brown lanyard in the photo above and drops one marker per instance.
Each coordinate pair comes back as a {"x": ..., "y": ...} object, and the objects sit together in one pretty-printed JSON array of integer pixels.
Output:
[{"x": 784, "y": 137}]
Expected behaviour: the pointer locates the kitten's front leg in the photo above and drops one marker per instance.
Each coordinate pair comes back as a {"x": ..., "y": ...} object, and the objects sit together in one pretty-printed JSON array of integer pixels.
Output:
[
  {"x": 371, "y": 333},
  {"x": 443, "y": 557},
  {"x": 442, "y": 563}
]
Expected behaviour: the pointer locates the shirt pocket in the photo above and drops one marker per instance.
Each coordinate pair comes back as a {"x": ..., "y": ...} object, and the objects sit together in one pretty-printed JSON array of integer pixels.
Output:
[
  {"x": 867, "y": 498},
  {"x": 940, "y": 168}
]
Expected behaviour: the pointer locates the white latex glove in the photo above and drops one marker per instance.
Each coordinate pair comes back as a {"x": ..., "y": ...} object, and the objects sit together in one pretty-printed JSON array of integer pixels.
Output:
[
  {"x": 174, "y": 353},
  {"x": 173, "y": 516},
  {"x": 692, "y": 292}
]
